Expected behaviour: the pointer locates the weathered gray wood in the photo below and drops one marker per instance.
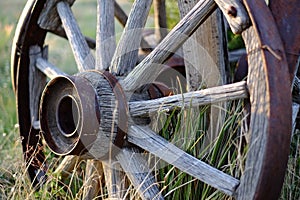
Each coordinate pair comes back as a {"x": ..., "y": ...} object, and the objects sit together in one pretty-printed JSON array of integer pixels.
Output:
[
  {"x": 126, "y": 54},
  {"x": 81, "y": 51},
  {"x": 191, "y": 99},
  {"x": 205, "y": 56},
  {"x": 296, "y": 108},
  {"x": 235, "y": 14},
  {"x": 48, "y": 68},
  {"x": 205, "y": 51},
  {"x": 149, "y": 68},
  {"x": 61, "y": 33},
  {"x": 67, "y": 166},
  {"x": 49, "y": 18},
  {"x": 122, "y": 18},
  {"x": 139, "y": 174},
  {"x": 106, "y": 43},
  {"x": 145, "y": 138},
  {"x": 114, "y": 179},
  {"x": 259, "y": 118},
  {"x": 295, "y": 105},
  {"x": 160, "y": 19},
  {"x": 37, "y": 82},
  {"x": 93, "y": 176},
  {"x": 102, "y": 148}
]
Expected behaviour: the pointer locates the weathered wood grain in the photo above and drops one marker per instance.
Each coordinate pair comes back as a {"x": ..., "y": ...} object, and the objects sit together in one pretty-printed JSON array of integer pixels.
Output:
[
  {"x": 145, "y": 138},
  {"x": 258, "y": 124},
  {"x": 37, "y": 82},
  {"x": 61, "y": 33},
  {"x": 105, "y": 39},
  {"x": 235, "y": 13},
  {"x": 270, "y": 124},
  {"x": 114, "y": 179},
  {"x": 92, "y": 179},
  {"x": 205, "y": 52},
  {"x": 191, "y": 99},
  {"x": 49, "y": 18},
  {"x": 126, "y": 54},
  {"x": 103, "y": 147},
  {"x": 139, "y": 174},
  {"x": 148, "y": 70},
  {"x": 205, "y": 60},
  {"x": 296, "y": 108},
  {"x": 50, "y": 70},
  {"x": 67, "y": 166},
  {"x": 81, "y": 51},
  {"x": 122, "y": 18}
]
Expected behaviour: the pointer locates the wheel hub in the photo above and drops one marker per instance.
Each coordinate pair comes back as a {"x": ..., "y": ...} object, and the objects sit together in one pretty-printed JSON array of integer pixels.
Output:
[{"x": 85, "y": 114}]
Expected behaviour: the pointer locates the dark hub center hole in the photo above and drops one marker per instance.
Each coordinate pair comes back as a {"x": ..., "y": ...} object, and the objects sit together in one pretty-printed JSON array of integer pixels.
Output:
[{"x": 67, "y": 116}]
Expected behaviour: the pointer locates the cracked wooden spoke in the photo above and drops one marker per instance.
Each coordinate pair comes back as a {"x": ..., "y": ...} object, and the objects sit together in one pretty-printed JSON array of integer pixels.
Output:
[
  {"x": 126, "y": 54},
  {"x": 148, "y": 70},
  {"x": 139, "y": 174},
  {"x": 145, "y": 138},
  {"x": 81, "y": 51},
  {"x": 191, "y": 99}
]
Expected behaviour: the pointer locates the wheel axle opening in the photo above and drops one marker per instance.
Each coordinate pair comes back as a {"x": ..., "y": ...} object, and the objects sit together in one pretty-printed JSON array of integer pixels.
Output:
[{"x": 67, "y": 116}]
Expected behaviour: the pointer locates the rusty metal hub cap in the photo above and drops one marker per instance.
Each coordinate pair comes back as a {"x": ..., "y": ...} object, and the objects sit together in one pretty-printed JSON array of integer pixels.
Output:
[{"x": 85, "y": 114}]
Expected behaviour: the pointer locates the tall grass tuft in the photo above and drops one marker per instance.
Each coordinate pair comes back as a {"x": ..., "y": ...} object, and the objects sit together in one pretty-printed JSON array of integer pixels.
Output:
[{"x": 224, "y": 153}]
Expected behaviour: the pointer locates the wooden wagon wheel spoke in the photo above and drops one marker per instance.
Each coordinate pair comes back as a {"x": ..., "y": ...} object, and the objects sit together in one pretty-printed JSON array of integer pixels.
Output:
[
  {"x": 148, "y": 70},
  {"x": 139, "y": 174},
  {"x": 122, "y": 18},
  {"x": 93, "y": 178},
  {"x": 48, "y": 68},
  {"x": 114, "y": 179},
  {"x": 61, "y": 33},
  {"x": 106, "y": 44},
  {"x": 191, "y": 99},
  {"x": 126, "y": 54},
  {"x": 81, "y": 51},
  {"x": 145, "y": 138}
]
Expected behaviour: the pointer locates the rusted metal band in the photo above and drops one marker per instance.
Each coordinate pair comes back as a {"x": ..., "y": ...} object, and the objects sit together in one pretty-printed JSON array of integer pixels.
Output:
[{"x": 64, "y": 97}]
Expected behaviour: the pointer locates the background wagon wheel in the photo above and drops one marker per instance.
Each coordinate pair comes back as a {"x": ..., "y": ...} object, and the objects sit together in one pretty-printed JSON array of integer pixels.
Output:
[{"x": 269, "y": 124}]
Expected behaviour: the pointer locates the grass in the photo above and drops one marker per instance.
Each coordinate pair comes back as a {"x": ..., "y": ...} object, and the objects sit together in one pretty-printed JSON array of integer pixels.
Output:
[{"x": 225, "y": 151}]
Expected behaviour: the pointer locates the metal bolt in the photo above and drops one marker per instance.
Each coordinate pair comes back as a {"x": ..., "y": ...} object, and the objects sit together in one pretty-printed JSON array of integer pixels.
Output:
[{"x": 232, "y": 11}]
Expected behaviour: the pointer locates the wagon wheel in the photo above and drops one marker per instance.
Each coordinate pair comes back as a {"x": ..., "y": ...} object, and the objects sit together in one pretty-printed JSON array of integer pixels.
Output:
[{"x": 72, "y": 106}]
